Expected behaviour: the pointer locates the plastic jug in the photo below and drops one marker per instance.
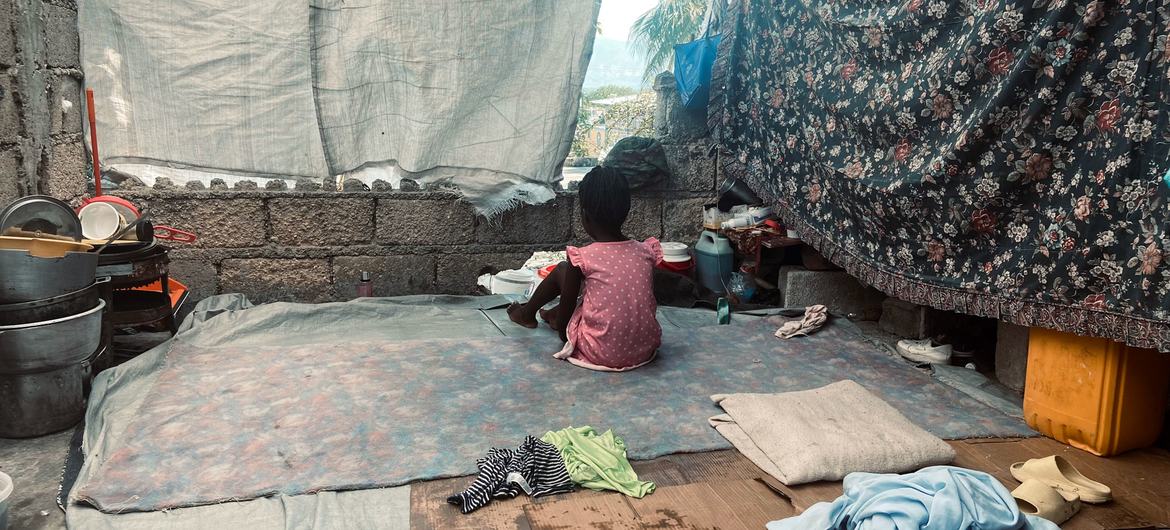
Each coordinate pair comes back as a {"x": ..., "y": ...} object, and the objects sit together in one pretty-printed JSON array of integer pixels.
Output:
[
  {"x": 1094, "y": 394},
  {"x": 713, "y": 257}
]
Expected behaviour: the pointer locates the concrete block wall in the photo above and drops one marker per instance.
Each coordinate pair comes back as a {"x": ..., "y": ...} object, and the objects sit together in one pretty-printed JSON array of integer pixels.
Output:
[
  {"x": 313, "y": 246},
  {"x": 40, "y": 100}
]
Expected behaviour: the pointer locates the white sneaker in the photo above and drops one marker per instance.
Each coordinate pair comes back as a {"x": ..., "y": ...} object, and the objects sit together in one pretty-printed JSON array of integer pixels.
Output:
[{"x": 924, "y": 351}]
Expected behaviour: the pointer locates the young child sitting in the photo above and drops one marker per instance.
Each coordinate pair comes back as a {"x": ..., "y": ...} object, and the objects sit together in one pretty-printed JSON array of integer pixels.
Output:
[{"x": 614, "y": 327}]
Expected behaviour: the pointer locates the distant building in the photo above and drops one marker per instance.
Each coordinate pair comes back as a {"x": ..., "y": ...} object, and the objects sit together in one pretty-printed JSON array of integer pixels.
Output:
[{"x": 605, "y": 133}]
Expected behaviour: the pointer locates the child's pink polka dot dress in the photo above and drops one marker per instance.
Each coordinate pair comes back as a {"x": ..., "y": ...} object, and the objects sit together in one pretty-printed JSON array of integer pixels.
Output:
[{"x": 615, "y": 327}]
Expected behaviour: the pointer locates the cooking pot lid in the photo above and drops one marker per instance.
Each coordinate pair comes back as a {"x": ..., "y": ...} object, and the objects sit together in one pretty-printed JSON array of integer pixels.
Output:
[{"x": 40, "y": 216}]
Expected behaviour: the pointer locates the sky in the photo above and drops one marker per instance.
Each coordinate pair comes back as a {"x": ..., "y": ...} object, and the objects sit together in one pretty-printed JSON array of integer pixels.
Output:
[{"x": 617, "y": 16}]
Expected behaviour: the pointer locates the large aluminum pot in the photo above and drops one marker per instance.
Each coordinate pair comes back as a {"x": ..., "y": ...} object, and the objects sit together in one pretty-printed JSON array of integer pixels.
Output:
[
  {"x": 45, "y": 371},
  {"x": 57, "y": 306},
  {"x": 24, "y": 278},
  {"x": 50, "y": 344},
  {"x": 40, "y": 403}
]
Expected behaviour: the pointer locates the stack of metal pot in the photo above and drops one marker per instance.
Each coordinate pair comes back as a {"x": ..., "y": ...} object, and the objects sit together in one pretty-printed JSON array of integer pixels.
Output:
[{"x": 51, "y": 317}]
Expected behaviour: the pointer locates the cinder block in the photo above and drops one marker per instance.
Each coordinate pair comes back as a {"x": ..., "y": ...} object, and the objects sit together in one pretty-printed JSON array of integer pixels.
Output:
[
  {"x": 682, "y": 219},
  {"x": 9, "y": 189},
  {"x": 200, "y": 277},
  {"x": 10, "y": 129},
  {"x": 838, "y": 291},
  {"x": 645, "y": 220},
  {"x": 391, "y": 275},
  {"x": 61, "y": 34},
  {"x": 690, "y": 167},
  {"x": 321, "y": 222},
  {"x": 1011, "y": 355},
  {"x": 542, "y": 223},
  {"x": 275, "y": 279},
  {"x": 218, "y": 223},
  {"x": 457, "y": 273},
  {"x": 67, "y": 171},
  {"x": 674, "y": 123},
  {"x": 65, "y": 104},
  {"x": 425, "y": 221},
  {"x": 905, "y": 319},
  {"x": 7, "y": 35}
]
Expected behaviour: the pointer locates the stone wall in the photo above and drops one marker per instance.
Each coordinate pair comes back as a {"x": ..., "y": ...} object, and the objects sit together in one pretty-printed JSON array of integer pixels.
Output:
[
  {"x": 40, "y": 103},
  {"x": 312, "y": 246}
]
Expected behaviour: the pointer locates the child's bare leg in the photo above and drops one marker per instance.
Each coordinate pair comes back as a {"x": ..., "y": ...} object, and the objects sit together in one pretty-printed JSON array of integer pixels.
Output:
[
  {"x": 570, "y": 283},
  {"x": 553, "y": 317},
  {"x": 548, "y": 290}
]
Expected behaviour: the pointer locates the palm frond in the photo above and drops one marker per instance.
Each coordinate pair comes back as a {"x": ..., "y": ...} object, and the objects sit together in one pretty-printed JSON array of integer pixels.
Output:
[{"x": 658, "y": 30}]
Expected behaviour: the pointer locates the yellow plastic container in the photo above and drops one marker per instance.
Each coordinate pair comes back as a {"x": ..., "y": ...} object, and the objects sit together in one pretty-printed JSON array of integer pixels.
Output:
[{"x": 1095, "y": 394}]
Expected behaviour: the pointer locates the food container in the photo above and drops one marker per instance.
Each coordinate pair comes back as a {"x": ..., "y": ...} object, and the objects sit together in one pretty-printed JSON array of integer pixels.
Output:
[
  {"x": 512, "y": 281},
  {"x": 673, "y": 252},
  {"x": 25, "y": 278},
  {"x": 45, "y": 371},
  {"x": 1094, "y": 394}
]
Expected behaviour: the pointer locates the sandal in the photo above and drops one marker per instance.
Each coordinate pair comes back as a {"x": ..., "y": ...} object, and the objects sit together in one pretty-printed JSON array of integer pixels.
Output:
[
  {"x": 1059, "y": 473},
  {"x": 1036, "y": 498}
]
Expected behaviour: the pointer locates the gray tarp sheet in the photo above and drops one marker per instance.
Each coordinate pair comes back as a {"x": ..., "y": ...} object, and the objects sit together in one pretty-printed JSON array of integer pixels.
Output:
[
  {"x": 118, "y": 393},
  {"x": 484, "y": 92}
]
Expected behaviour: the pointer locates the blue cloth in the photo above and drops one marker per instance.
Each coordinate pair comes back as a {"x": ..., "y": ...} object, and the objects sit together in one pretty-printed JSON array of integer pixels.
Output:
[
  {"x": 933, "y": 498},
  {"x": 692, "y": 70}
]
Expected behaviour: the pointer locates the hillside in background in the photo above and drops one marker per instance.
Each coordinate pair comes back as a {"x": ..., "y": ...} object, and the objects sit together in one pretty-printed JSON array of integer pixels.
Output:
[{"x": 614, "y": 64}]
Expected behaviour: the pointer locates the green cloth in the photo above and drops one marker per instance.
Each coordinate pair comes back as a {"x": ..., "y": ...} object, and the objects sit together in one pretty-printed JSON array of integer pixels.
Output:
[{"x": 598, "y": 462}]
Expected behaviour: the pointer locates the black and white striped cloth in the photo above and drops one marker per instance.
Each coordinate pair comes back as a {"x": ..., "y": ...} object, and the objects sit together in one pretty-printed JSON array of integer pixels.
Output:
[{"x": 535, "y": 468}]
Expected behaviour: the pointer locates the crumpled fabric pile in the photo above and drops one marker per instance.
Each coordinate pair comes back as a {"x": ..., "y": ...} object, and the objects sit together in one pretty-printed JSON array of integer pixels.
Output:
[
  {"x": 559, "y": 462},
  {"x": 814, "y": 318},
  {"x": 933, "y": 498}
]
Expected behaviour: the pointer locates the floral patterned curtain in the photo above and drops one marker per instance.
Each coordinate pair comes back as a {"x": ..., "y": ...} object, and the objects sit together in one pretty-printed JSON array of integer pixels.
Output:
[{"x": 1001, "y": 158}]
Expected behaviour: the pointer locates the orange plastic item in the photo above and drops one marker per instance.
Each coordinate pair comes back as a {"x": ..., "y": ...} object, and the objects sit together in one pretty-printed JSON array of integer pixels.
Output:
[
  {"x": 1094, "y": 394},
  {"x": 177, "y": 290}
]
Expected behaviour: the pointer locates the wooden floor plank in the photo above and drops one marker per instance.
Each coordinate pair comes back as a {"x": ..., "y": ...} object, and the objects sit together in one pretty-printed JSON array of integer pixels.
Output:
[
  {"x": 804, "y": 496},
  {"x": 722, "y": 505},
  {"x": 969, "y": 457},
  {"x": 754, "y": 503},
  {"x": 1001, "y": 456},
  {"x": 609, "y": 511},
  {"x": 696, "y": 506},
  {"x": 715, "y": 466},
  {"x": 1140, "y": 480},
  {"x": 429, "y": 509},
  {"x": 663, "y": 471}
]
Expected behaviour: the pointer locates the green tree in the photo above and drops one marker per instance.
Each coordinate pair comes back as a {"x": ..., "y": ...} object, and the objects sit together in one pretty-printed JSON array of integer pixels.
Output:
[
  {"x": 631, "y": 118},
  {"x": 609, "y": 91},
  {"x": 582, "y": 146},
  {"x": 669, "y": 23}
]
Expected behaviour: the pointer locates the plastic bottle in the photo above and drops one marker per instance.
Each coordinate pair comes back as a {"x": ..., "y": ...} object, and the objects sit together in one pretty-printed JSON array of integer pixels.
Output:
[
  {"x": 713, "y": 258},
  {"x": 365, "y": 288}
]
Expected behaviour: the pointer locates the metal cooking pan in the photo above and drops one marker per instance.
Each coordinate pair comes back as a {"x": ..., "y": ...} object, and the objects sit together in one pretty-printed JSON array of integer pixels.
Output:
[
  {"x": 35, "y": 404},
  {"x": 50, "y": 344},
  {"x": 55, "y": 307},
  {"x": 24, "y": 278}
]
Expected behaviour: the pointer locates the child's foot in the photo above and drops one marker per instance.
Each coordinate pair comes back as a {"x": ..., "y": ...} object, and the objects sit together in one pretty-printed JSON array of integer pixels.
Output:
[
  {"x": 551, "y": 316},
  {"x": 516, "y": 314}
]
